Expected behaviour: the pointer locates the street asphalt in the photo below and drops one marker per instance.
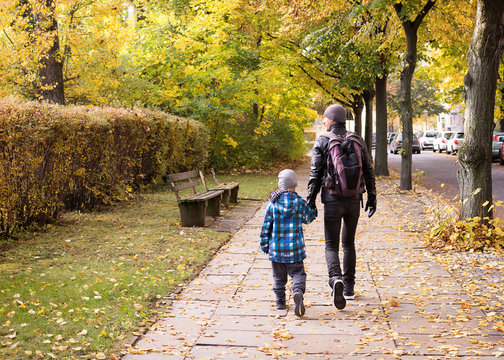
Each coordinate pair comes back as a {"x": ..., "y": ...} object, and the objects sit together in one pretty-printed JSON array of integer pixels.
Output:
[{"x": 410, "y": 303}]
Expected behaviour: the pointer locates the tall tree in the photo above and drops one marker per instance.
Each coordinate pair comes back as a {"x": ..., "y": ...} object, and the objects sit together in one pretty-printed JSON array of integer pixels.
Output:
[
  {"x": 220, "y": 62},
  {"x": 411, "y": 18},
  {"x": 424, "y": 96},
  {"x": 50, "y": 69},
  {"x": 368, "y": 96},
  {"x": 69, "y": 51},
  {"x": 381, "y": 163},
  {"x": 485, "y": 52},
  {"x": 343, "y": 57}
]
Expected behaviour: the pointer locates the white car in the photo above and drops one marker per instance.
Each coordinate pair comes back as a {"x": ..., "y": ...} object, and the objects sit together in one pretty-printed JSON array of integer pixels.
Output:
[
  {"x": 439, "y": 143},
  {"x": 455, "y": 142},
  {"x": 427, "y": 138}
]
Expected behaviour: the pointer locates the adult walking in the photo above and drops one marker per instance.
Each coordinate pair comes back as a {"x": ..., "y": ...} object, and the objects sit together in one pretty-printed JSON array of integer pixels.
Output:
[{"x": 341, "y": 212}]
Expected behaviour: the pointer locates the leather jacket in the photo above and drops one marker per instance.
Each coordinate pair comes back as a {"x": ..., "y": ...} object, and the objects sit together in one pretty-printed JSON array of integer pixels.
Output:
[{"x": 319, "y": 164}]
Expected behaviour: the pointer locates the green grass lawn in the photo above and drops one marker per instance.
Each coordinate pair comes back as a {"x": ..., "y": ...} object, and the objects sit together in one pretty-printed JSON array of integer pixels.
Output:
[{"x": 82, "y": 288}]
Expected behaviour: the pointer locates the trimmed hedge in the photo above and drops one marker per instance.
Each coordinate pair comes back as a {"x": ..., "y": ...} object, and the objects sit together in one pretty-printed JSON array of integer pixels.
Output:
[{"x": 73, "y": 157}]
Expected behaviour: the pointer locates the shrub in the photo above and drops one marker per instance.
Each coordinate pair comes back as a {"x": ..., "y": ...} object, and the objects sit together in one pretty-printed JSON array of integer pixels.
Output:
[
  {"x": 251, "y": 145},
  {"x": 55, "y": 157}
]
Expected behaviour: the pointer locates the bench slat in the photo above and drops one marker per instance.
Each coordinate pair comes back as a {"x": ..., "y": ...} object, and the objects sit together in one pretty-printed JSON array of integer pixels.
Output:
[
  {"x": 185, "y": 185},
  {"x": 226, "y": 186},
  {"x": 202, "y": 196},
  {"x": 183, "y": 176}
]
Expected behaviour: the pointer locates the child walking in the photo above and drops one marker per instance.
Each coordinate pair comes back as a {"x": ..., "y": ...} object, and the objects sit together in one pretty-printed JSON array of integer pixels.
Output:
[{"x": 282, "y": 238}]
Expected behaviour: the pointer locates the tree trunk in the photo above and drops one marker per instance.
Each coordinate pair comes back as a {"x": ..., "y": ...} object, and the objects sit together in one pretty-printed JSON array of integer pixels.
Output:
[
  {"x": 357, "y": 107},
  {"x": 410, "y": 60},
  {"x": 368, "y": 97},
  {"x": 381, "y": 161},
  {"x": 406, "y": 107},
  {"x": 50, "y": 69},
  {"x": 480, "y": 83}
]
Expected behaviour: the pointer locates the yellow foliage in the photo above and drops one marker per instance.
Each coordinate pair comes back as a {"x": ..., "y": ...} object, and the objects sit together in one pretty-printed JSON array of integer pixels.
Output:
[
  {"x": 479, "y": 234},
  {"x": 55, "y": 157}
]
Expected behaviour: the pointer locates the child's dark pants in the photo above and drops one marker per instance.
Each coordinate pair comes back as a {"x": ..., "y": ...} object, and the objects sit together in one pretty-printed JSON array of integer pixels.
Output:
[{"x": 295, "y": 270}]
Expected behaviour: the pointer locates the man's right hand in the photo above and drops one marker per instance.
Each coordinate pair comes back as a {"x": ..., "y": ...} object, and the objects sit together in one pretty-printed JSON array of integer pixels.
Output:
[{"x": 371, "y": 205}]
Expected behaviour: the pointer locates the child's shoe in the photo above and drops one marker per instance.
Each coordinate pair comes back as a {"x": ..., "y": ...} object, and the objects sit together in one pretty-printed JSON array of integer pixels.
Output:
[
  {"x": 280, "y": 304},
  {"x": 299, "y": 308}
]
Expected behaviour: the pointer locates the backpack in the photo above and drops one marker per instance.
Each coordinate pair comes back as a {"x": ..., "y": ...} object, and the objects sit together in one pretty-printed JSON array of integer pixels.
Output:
[{"x": 344, "y": 165}]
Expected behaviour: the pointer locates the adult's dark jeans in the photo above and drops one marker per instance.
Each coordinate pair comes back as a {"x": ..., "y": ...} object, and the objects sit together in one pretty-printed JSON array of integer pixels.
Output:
[
  {"x": 341, "y": 216},
  {"x": 295, "y": 270}
]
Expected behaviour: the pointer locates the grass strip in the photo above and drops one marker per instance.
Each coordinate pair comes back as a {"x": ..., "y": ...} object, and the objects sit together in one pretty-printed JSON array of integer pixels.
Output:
[{"x": 81, "y": 288}]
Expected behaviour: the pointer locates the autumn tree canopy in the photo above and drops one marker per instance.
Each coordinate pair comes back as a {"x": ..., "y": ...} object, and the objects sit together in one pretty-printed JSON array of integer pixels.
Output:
[{"x": 249, "y": 69}]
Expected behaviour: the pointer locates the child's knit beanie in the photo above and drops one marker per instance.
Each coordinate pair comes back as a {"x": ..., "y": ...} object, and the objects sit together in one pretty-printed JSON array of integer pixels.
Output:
[{"x": 287, "y": 179}]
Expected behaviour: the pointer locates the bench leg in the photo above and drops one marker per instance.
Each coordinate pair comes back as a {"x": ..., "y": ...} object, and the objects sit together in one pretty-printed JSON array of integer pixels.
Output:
[
  {"x": 234, "y": 195},
  {"x": 225, "y": 198},
  {"x": 193, "y": 214},
  {"x": 213, "y": 206}
]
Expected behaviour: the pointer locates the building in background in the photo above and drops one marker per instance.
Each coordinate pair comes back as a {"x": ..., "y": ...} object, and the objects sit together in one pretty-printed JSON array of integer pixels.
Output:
[{"x": 452, "y": 121}]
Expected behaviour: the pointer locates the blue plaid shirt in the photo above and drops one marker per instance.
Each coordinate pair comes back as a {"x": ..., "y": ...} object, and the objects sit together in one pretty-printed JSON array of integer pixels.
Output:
[{"x": 282, "y": 231}]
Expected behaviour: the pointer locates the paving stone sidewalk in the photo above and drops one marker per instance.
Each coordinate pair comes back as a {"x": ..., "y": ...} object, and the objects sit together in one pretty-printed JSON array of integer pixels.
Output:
[{"x": 408, "y": 305}]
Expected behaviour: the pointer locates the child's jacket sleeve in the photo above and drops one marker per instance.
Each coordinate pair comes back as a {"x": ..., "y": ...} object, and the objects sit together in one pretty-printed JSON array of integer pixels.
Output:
[
  {"x": 267, "y": 229},
  {"x": 307, "y": 213}
]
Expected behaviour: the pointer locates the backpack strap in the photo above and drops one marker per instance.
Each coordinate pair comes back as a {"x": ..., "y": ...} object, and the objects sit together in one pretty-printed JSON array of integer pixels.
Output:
[
  {"x": 353, "y": 136},
  {"x": 332, "y": 135}
]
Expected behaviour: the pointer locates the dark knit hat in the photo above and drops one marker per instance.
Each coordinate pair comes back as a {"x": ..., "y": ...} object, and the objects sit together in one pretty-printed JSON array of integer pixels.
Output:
[{"x": 336, "y": 113}]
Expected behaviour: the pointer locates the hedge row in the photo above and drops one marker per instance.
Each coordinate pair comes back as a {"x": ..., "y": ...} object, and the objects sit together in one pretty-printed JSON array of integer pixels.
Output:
[{"x": 54, "y": 157}]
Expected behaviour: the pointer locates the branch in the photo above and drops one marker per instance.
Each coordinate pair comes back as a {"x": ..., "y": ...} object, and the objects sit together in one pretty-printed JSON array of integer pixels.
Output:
[
  {"x": 308, "y": 60},
  {"x": 398, "y": 8},
  {"x": 5, "y": 32},
  {"x": 317, "y": 81},
  {"x": 427, "y": 7},
  {"x": 415, "y": 24},
  {"x": 71, "y": 78},
  {"x": 340, "y": 98}
]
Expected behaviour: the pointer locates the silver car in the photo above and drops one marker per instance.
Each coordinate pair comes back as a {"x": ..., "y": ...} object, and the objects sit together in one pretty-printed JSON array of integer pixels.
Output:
[
  {"x": 397, "y": 142},
  {"x": 440, "y": 141},
  {"x": 427, "y": 138},
  {"x": 454, "y": 143}
]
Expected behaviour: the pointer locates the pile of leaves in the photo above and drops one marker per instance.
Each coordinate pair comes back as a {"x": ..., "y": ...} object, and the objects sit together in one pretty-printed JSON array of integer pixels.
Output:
[{"x": 449, "y": 232}]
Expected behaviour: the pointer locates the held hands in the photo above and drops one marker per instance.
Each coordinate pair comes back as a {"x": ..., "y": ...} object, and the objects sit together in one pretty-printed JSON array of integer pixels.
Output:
[
  {"x": 371, "y": 205},
  {"x": 314, "y": 207}
]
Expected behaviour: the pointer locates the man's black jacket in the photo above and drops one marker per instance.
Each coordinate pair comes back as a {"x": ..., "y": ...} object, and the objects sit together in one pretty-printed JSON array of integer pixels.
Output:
[{"x": 319, "y": 168}]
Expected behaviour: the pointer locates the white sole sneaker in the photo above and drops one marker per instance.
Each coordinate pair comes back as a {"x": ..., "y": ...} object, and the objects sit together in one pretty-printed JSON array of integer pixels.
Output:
[
  {"x": 338, "y": 298},
  {"x": 349, "y": 297}
]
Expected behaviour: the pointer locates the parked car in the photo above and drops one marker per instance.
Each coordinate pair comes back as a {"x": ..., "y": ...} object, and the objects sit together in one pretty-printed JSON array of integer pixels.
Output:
[
  {"x": 454, "y": 143},
  {"x": 498, "y": 138},
  {"x": 396, "y": 144},
  {"x": 390, "y": 136},
  {"x": 501, "y": 152},
  {"x": 440, "y": 140},
  {"x": 426, "y": 139}
]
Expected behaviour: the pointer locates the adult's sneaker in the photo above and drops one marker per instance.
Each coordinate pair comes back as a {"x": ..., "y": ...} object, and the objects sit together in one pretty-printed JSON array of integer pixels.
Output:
[
  {"x": 337, "y": 293},
  {"x": 349, "y": 294},
  {"x": 299, "y": 308}
]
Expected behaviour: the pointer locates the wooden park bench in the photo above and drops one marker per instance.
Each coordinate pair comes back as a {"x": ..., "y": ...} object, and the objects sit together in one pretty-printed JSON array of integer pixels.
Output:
[
  {"x": 194, "y": 208},
  {"x": 230, "y": 194}
]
